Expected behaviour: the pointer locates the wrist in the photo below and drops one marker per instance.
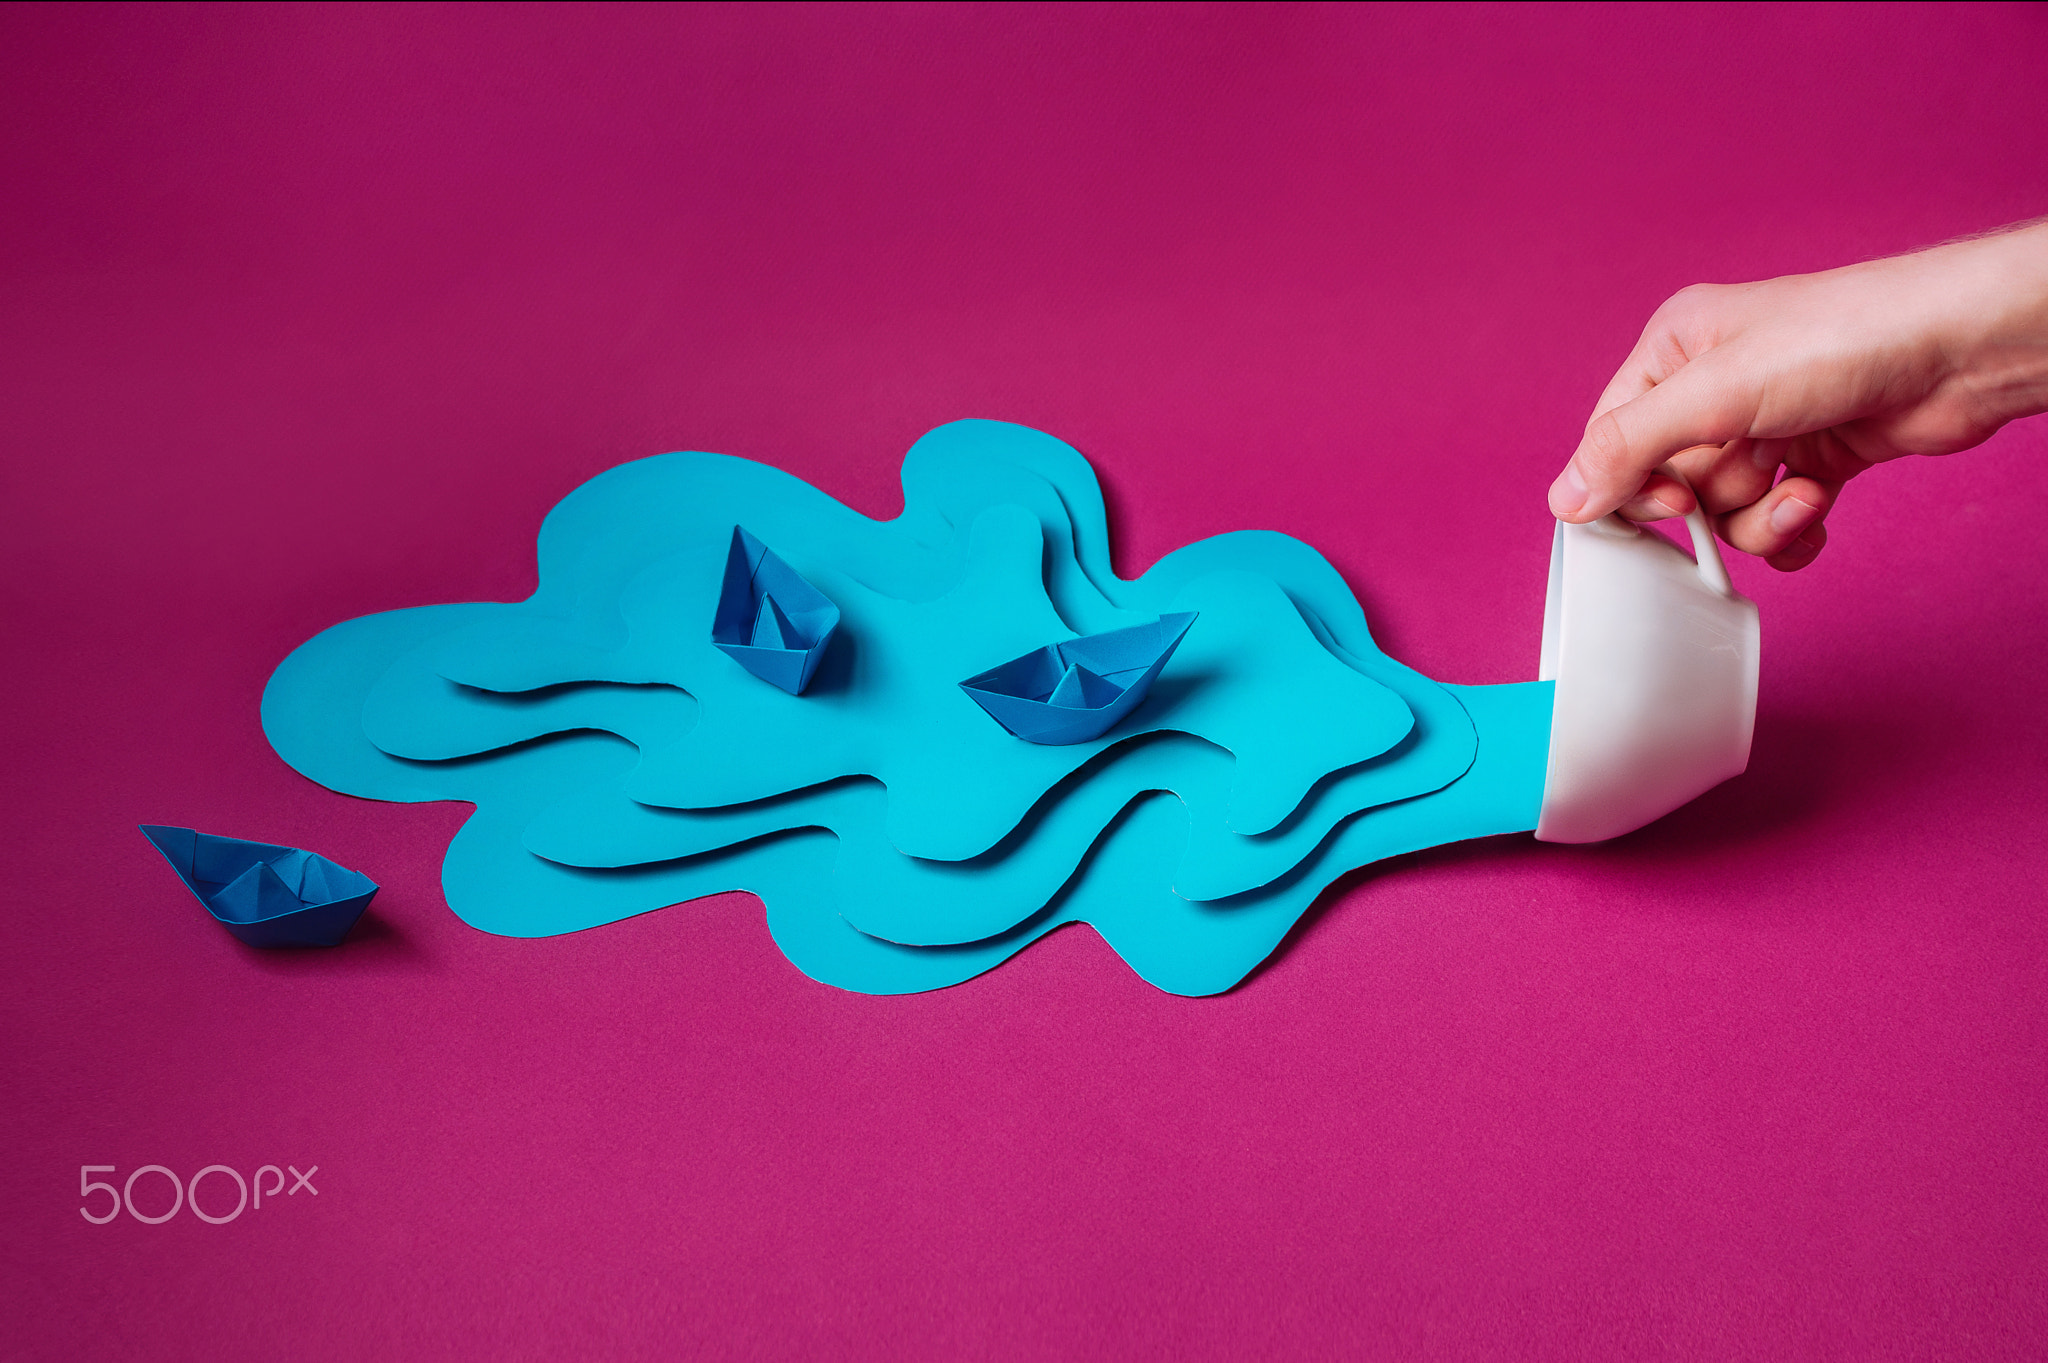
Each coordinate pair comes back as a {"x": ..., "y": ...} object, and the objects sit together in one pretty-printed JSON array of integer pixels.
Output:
[{"x": 1995, "y": 338}]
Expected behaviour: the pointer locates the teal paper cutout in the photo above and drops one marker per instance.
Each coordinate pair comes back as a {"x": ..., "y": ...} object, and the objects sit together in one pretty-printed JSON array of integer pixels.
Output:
[
  {"x": 887, "y": 704},
  {"x": 919, "y": 901},
  {"x": 551, "y": 715}
]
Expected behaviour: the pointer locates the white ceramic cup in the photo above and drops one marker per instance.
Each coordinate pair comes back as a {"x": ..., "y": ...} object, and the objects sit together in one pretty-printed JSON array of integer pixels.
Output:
[{"x": 1655, "y": 656}]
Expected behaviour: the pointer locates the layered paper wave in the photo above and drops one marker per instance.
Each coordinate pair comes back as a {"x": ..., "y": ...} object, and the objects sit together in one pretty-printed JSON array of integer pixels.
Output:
[{"x": 900, "y": 839}]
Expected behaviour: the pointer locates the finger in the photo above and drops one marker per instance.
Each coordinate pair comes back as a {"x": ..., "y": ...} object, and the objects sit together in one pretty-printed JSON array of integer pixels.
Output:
[
  {"x": 1774, "y": 522},
  {"x": 1801, "y": 551},
  {"x": 1707, "y": 483},
  {"x": 1731, "y": 476},
  {"x": 1704, "y": 403},
  {"x": 1672, "y": 338},
  {"x": 1662, "y": 497},
  {"x": 1636, "y": 377},
  {"x": 1721, "y": 477},
  {"x": 1825, "y": 456}
]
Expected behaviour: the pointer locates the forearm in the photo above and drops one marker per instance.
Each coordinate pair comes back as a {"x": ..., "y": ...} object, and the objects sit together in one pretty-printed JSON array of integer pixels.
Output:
[{"x": 1997, "y": 333}]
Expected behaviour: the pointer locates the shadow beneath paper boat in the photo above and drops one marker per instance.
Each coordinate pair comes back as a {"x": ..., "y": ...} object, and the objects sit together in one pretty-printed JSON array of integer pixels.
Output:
[{"x": 376, "y": 942}]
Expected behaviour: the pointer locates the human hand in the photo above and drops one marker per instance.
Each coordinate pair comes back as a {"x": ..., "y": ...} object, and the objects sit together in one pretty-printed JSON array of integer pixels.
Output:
[{"x": 1823, "y": 374}]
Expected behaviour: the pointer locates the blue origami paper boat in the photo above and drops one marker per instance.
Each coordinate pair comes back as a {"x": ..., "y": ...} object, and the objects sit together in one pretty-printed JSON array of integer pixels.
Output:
[
  {"x": 269, "y": 896},
  {"x": 1072, "y": 692},
  {"x": 770, "y": 621}
]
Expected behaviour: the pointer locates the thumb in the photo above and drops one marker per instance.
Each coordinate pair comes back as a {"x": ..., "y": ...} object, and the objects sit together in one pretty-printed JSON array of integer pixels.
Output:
[{"x": 1705, "y": 403}]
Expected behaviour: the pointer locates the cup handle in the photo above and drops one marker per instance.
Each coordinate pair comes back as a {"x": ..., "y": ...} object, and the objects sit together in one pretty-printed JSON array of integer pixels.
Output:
[{"x": 1706, "y": 551}]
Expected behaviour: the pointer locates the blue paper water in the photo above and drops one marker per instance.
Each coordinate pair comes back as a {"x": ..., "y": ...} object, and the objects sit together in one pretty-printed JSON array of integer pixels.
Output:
[{"x": 900, "y": 840}]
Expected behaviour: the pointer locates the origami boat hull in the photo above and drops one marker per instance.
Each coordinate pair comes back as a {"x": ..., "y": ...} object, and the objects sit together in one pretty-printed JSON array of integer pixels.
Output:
[
  {"x": 1078, "y": 690},
  {"x": 265, "y": 894},
  {"x": 769, "y": 619}
]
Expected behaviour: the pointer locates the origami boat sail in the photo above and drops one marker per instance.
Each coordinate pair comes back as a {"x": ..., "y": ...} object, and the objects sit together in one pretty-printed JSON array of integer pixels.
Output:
[
  {"x": 267, "y": 895},
  {"x": 1072, "y": 692},
  {"x": 770, "y": 621}
]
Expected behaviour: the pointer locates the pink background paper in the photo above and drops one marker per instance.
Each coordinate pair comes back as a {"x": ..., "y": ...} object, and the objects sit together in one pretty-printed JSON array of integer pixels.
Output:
[{"x": 314, "y": 312}]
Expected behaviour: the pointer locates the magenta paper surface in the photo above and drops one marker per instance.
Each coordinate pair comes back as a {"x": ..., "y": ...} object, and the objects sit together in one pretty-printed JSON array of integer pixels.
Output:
[{"x": 314, "y": 312}]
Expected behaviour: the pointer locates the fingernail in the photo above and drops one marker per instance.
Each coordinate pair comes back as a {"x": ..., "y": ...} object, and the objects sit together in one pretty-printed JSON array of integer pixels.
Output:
[
  {"x": 1791, "y": 516},
  {"x": 1568, "y": 493}
]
